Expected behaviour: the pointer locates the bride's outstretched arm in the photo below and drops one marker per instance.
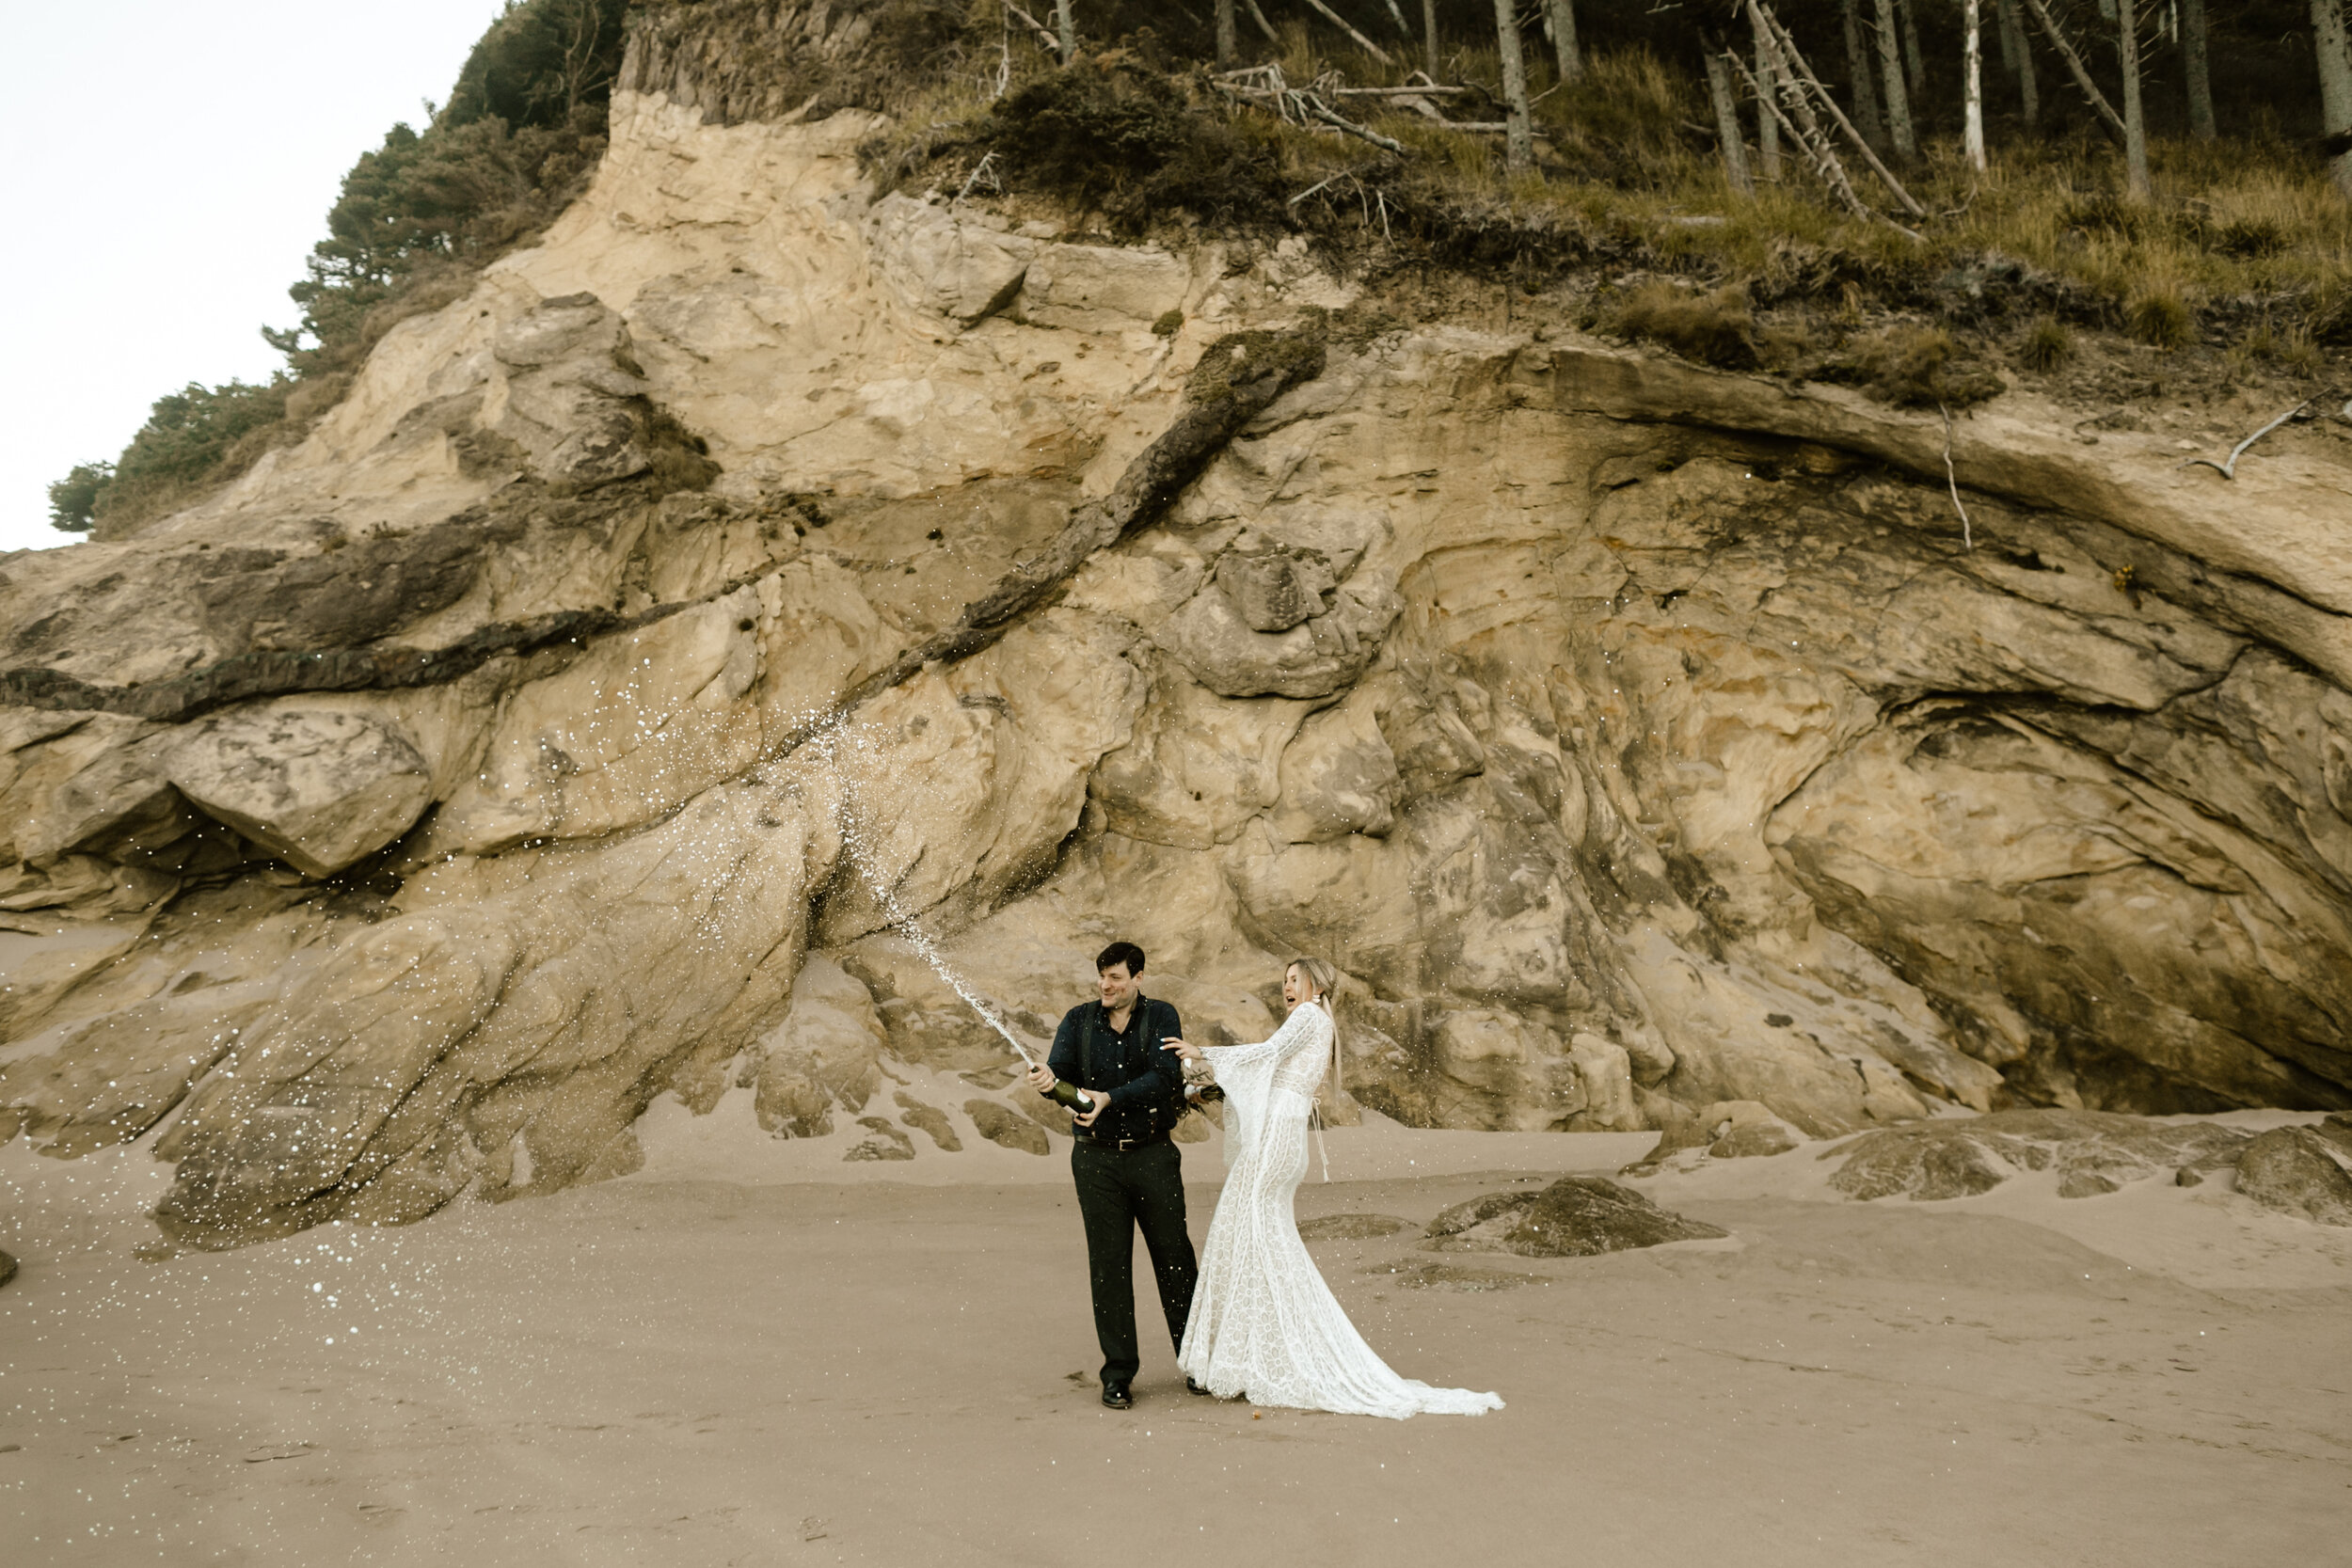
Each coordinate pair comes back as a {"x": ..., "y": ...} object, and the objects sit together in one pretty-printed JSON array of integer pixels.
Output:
[{"x": 1224, "y": 1058}]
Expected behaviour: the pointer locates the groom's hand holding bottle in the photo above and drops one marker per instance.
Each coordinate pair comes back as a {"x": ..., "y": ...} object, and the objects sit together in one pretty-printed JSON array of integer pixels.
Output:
[{"x": 1086, "y": 1105}]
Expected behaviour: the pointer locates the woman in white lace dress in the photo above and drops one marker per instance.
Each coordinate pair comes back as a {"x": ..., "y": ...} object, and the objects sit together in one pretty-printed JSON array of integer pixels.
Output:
[{"x": 1264, "y": 1323}]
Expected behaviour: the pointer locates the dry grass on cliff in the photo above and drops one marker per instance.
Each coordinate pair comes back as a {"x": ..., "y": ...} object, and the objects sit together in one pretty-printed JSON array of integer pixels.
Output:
[{"x": 2247, "y": 253}]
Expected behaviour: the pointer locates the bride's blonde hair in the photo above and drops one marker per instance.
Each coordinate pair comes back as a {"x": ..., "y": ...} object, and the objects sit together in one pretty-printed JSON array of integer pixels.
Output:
[{"x": 1324, "y": 977}]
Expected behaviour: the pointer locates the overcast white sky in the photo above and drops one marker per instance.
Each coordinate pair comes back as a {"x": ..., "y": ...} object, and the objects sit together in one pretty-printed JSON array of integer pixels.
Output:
[{"x": 166, "y": 169}]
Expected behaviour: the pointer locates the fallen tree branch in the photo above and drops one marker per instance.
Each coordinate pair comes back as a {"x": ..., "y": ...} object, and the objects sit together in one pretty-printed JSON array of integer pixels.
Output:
[
  {"x": 986, "y": 170},
  {"x": 1792, "y": 57},
  {"x": 2229, "y": 469},
  {"x": 1819, "y": 157},
  {"x": 1332, "y": 116},
  {"x": 2075, "y": 63},
  {"x": 1036, "y": 26},
  {"x": 1342, "y": 23},
  {"x": 1284, "y": 100}
]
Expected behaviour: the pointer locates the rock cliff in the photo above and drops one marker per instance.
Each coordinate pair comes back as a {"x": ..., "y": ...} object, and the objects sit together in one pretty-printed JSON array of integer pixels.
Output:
[{"x": 1635, "y": 737}]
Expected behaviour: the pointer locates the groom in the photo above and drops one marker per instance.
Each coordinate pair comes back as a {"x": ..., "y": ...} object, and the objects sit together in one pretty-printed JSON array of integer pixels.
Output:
[{"x": 1126, "y": 1167}]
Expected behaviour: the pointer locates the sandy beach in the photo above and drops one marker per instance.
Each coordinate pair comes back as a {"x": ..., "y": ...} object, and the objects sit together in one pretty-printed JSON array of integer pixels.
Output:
[{"x": 753, "y": 1353}]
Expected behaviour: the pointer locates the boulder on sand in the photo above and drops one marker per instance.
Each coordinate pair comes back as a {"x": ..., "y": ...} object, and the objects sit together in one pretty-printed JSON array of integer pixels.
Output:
[
  {"x": 1576, "y": 1216},
  {"x": 2290, "y": 1169},
  {"x": 2094, "y": 1152}
]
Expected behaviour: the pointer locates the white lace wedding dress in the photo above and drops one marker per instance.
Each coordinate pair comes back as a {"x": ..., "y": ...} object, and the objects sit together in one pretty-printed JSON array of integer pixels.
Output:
[{"x": 1264, "y": 1323}]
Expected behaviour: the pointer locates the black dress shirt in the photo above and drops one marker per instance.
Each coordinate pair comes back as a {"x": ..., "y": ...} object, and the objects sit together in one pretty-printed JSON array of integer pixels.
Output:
[{"x": 1145, "y": 1084}]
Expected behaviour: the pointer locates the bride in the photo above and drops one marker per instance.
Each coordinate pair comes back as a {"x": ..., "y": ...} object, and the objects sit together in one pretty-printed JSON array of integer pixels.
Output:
[{"x": 1264, "y": 1323}]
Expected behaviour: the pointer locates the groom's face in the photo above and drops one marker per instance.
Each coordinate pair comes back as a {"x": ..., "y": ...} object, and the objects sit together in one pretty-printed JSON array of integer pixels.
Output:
[{"x": 1119, "y": 986}]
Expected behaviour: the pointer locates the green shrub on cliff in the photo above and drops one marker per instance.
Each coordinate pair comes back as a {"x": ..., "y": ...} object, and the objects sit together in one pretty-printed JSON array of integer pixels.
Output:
[{"x": 415, "y": 219}]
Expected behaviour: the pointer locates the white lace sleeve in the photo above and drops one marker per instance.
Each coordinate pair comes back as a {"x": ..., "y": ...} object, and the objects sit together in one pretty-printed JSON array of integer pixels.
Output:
[{"x": 1224, "y": 1059}]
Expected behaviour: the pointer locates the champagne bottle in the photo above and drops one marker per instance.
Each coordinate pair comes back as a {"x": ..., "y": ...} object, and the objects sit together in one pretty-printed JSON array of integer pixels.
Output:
[{"x": 1079, "y": 1099}]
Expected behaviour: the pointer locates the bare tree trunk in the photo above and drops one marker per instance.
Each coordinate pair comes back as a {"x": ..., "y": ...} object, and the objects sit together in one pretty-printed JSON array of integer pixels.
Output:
[
  {"x": 1265, "y": 27},
  {"x": 1862, "y": 68},
  {"x": 1564, "y": 44},
  {"x": 2193, "y": 69},
  {"x": 1915, "y": 66},
  {"x": 1767, "y": 124},
  {"x": 2017, "y": 55},
  {"x": 1518, "y": 140},
  {"x": 1226, "y": 47},
  {"x": 2334, "y": 52},
  {"x": 1429, "y": 37},
  {"x": 1891, "y": 73},
  {"x": 1404, "y": 29},
  {"x": 1068, "y": 30},
  {"x": 1972, "y": 85},
  {"x": 1727, "y": 120},
  {"x": 2136, "y": 181}
]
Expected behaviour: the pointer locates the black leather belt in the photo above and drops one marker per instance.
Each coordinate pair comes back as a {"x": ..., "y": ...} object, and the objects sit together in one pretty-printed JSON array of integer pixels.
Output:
[{"x": 1123, "y": 1145}]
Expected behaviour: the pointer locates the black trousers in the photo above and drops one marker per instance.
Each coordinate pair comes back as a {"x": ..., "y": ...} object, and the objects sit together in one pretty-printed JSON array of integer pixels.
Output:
[{"x": 1117, "y": 1192}]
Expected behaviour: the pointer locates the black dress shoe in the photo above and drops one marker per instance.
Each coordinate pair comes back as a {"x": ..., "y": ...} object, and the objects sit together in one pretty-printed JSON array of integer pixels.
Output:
[
  {"x": 1115, "y": 1396},
  {"x": 1192, "y": 1387}
]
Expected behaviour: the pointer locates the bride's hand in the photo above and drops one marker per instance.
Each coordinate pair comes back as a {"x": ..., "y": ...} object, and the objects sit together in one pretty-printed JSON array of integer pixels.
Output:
[{"x": 1188, "y": 1051}]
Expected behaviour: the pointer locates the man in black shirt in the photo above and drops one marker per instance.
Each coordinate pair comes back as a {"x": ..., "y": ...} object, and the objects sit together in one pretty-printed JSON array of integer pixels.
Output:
[{"x": 1126, "y": 1169}]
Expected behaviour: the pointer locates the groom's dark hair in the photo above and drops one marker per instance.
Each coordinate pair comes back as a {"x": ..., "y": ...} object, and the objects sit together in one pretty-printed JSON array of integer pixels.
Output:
[{"x": 1120, "y": 953}]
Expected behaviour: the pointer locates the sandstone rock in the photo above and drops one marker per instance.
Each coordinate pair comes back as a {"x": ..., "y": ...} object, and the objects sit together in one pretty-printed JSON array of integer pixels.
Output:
[
  {"x": 2290, "y": 1169},
  {"x": 946, "y": 261},
  {"x": 930, "y": 1118},
  {"x": 1351, "y": 1228},
  {"x": 1198, "y": 767},
  {"x": 1000, "y": 1124},
  {"x": 888, "y": 1142},
  {"x": 826, "y": 1051},
  {"x": 1103, "y": 288},
  {"x": 1606, "y": 1072},
  {"x": 570, "y": 385},
  {"x": 1312, "y": 658},
  {"x": 1338, "y": 777},
  {"x": 1743, "y": 1129},
  {"x": 1576, "y": 1216},
  {"x": 7, "y": 1268},
  {"x": 2337, "y": 1130},
  {"x": 2092, "y": 1152},
  {"x": 622, "y": 960},
  {"x": 116, "y": 799},
  {"x": 319, "y": 788},
  {"x": 1275, "y": 589}
]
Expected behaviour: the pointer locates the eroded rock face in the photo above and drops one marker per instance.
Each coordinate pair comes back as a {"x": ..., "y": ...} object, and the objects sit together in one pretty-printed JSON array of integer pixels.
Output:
[{"x": 1646, "y": 746}]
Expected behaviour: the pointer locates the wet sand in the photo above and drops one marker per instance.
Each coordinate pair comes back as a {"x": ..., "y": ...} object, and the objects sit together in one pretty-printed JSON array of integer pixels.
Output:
[{"x": 893, "y": 1365}]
